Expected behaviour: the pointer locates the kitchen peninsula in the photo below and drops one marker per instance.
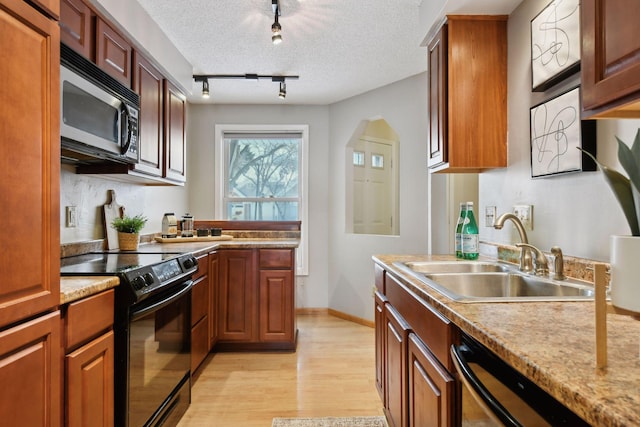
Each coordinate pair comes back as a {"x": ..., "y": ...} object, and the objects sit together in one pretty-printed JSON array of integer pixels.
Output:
[{"x": 551, "y": 343}]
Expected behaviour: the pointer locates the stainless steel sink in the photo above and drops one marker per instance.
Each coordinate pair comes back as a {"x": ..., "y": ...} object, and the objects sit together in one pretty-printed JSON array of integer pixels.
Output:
[
  {"x": 428, "y": 267},
  {"x": 493, "y": 282}
]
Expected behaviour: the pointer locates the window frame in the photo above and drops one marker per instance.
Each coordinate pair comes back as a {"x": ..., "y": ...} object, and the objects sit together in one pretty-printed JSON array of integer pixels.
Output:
[{"x": 302, "y": 252}]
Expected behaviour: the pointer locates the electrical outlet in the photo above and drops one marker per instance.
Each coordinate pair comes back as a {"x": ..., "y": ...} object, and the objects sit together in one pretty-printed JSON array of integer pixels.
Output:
[
  {"x": 525, "y": 215},
  {"x": 489, "y": 216},
  {"x": 72, "y": 216}
]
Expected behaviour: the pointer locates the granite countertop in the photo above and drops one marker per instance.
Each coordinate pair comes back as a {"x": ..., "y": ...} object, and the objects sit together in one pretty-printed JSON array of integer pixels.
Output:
[
  {"x": 76, "y": 287},
  {"x": 553, "y": 344}
]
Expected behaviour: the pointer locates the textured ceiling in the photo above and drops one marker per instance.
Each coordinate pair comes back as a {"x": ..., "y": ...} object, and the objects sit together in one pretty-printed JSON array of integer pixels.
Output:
[{"x": 339, "y": 48}]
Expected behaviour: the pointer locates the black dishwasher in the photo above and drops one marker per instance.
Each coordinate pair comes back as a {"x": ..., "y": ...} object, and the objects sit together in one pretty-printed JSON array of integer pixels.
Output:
[{"x": 494, "y": 393}]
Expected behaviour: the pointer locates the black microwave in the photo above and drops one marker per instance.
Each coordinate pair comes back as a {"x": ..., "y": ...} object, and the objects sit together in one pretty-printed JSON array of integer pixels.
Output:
[{"x": 98, "y": 114}]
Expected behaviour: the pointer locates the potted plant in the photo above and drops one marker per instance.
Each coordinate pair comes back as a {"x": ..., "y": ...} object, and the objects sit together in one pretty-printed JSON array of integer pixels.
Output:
[
  {"x": 625, "y": 269},
  {"x": 128, "y": 228}
]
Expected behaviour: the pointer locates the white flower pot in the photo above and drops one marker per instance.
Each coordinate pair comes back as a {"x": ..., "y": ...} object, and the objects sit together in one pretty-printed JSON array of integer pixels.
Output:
[{"x": 625, "y": 272}]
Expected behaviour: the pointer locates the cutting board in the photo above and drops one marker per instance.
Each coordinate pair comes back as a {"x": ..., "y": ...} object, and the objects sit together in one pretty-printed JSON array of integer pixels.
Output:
[{"x": 112, "y": 210}]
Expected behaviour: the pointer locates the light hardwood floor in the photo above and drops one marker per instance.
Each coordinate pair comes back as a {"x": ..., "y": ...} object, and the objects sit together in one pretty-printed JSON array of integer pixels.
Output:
[{"x": 332, "y": 374}]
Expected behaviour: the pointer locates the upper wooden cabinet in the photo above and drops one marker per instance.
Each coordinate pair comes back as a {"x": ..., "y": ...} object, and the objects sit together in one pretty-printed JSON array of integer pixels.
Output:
[
  {"x": 467, "y": 57},
  {"x": 175, "y": 158},
  {"x": 50, "y": 7},
  {"x": 610, "y": 58},
  {"x": 76, "y": 27},
  {"x": 30, "y": 162},
  {"x": 148, "y": 83},
  {"x": 113, "y": 52}
]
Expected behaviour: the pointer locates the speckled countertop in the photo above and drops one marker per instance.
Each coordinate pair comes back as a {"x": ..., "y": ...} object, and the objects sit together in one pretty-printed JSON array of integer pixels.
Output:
[
  {"x": 76, "y": 287},
  {"x": 553, "y": 344}
]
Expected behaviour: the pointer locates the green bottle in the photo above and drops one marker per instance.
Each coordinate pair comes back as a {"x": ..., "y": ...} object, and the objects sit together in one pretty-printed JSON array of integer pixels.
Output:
[
  {"x": 469, "y": 237},
  {"x": 458, "y": 233}
]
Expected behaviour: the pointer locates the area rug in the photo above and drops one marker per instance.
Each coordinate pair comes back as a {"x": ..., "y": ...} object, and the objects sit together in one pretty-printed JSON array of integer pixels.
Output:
[{"x": 330, "y": 422}]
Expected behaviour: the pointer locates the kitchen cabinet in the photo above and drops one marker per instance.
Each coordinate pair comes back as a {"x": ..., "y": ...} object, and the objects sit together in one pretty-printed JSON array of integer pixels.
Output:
[
  {"x": 30, "y": 365},
  {"x": 148, "y": 82},
  {"x": 89, "y": 361},
  {"x": 113, "y": 52},
  {"x": 396, "y": 336},
  {"x": 238, "y": 299},
  {"x": 610, "y": 63},
  {"x": 431, "y": 388},
  {"x": 76, "y": 27},
  {"x": 30, "y": 164},
  {"x": 467, "y": 57},
  {"x": 412, "y": 344},
  {"x": 200, "y": 313},
  {"x": 256, "y": 299},
  {"x": 276, "y": 309},
  {"x": 175, "y": 159},
  {"x": 213, "y": 298},
  {"x": 49, "y": 7}
]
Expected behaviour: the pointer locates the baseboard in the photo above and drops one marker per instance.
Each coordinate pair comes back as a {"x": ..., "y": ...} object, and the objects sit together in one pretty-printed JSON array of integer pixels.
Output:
[{"x": 335, "y": 313}]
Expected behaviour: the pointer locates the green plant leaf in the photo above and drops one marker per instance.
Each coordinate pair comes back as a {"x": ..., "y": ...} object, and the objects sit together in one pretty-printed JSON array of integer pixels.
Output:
[
  {"x": 627, "y": 159},
  {"x": 621, "y": 186},
  {"x": 129, "y": 224}
]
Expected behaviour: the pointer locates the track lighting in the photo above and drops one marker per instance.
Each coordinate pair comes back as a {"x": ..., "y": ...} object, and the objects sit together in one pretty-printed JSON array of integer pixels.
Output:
[
  {"x": 205, "y": 88},
  {"x": 276, "y": 29},
  {"x": 204, "y": 78}
]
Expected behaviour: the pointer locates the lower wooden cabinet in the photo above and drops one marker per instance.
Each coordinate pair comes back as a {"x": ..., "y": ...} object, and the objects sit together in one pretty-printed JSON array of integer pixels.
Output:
[
  {"x": 412, "y": 374},
  {"x": 30, "y": 363},
  {"x": 256, "y": 299},
  {"x": 200, "y": 314},
  {"x": 89, "y": 383},
  {"x": 213, "y": 298},
  {"x": 431, "y": 388},
  {"x": 89, "y": 361}
]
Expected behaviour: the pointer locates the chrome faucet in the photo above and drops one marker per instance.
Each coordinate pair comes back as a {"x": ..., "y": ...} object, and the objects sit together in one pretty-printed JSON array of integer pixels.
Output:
[
  {"x": 526, "y": 261},
  {"x": 542, "y": 265}
]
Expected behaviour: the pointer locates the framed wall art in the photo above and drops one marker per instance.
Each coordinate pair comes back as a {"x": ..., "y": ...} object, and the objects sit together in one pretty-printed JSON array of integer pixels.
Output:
[
  {"x": 555, "y": 44},
  {"x": 557, "y": 132}
]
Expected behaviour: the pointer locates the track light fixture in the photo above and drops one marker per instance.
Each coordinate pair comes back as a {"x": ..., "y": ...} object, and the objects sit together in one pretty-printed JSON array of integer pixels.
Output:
[
  {"x": 204, "y": 78},
  {"x": 276, "y": 29}
]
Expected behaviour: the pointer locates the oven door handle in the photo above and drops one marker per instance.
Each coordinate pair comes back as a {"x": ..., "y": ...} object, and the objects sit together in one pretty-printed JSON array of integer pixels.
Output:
[
  {"x": 490, "y": 405},
  {"x": 138, "y": 313}
]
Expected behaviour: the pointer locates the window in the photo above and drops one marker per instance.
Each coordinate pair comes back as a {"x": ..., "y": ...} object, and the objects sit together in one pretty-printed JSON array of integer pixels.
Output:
[{"x": 262, "y": 176}]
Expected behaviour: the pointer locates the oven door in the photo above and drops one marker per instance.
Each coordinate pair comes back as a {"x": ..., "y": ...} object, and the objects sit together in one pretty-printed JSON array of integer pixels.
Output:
[
  {"x": 159, "y": 358},
  {"x": 495, "y": 394}
]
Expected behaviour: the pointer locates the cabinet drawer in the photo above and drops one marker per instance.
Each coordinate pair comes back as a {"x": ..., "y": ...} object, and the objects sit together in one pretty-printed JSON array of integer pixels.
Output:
[
  {"x": 88, "y": 318},
  {"x": 435, "y": 330},
  {"x": 199, "y": 300},
  {"x": 203, "y": 267},
  {"x": 276, "y": 258}
]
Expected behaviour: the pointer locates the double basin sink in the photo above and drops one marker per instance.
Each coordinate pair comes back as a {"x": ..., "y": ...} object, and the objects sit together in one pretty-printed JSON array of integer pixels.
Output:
[{"x": 480, "y": 281}]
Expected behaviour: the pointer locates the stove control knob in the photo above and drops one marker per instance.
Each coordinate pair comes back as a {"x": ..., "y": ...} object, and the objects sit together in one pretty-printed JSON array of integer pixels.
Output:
[
  {"x": 148, "y": 279},
  {"x": 137, "y": 283},
  {"x": 189, "y": 263}
]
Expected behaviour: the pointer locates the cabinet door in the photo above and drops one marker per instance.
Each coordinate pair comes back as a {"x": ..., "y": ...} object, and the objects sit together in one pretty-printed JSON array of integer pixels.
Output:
[
  {"x": 431, "y": 397},
  {"x": 396, "y": 335},
  {"x": 113, "y": 52},
  {"x": 380, "y": 301},
  {"x": 237, "y": 295},
  {"x": 276, "y": 306},
  {"x": 30, "y": 161},
  {"x": 148, "y": 83},
  {"x": 75, "y": 27},
  {"x": 175, "y": 166},
  {"x": 30, "y": 364},
  {"x": 437, "y": 51},
  {"x": 213, "y": 298},
  {"x": 610, "y": 56},
  {"x": 50, "y": 7},
  {"x": 89, "y": 383}
]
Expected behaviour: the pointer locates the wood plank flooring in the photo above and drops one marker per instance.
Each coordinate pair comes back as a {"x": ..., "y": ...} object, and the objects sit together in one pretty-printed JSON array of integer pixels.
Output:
[{"x": 332, "y": 373}]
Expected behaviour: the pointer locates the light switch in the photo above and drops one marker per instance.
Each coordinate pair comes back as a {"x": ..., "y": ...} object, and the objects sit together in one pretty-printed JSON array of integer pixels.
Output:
[
  {"x": 72, "y": 216},
  {"x": 525, "y": 215}
]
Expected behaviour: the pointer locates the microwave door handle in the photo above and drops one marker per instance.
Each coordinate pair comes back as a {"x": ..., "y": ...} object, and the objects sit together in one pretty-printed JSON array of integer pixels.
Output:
[
  {"x": 490, "y": 405},
  {"x": 126, "y": 118}
]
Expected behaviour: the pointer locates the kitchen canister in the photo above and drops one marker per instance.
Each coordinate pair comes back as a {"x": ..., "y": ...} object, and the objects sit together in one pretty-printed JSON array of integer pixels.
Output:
[
  {"x": 187, "y": 225},
  {"x": 169, "y": 225}
]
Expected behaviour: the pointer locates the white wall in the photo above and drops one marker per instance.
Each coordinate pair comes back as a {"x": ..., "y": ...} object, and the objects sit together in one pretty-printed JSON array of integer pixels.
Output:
[
  {"x": 577, "y": 212},
  {"x": 202, "y": 119},
  {"x": 403, "y": 105}
]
